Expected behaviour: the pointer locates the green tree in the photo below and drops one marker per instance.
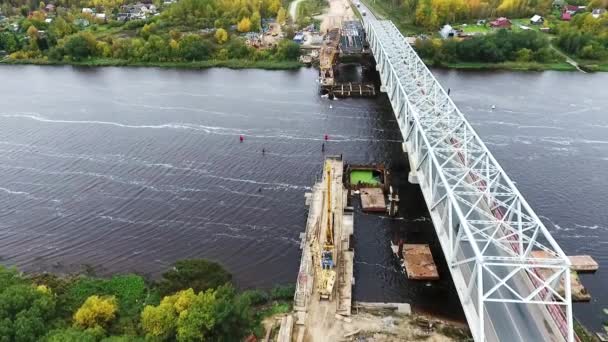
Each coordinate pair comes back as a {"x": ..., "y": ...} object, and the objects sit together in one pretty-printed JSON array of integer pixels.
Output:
[
  {"x": 8, "y": 42},
  {"x": 196, "y": 323},
  {"x": 159, "y": 321},
  {"x": 221, "y": 36},
  {"x": 256, "y": 23},
  {"x": 238, "y": 49},
  {"x": 147, "y": 30},
  {"x": 25, "y": 312},
  {"x": 70, "y": 335},
  {"x": 288, "y": 50},
  {"x": 524, "y": 55},
  {"x": 198, "y": 274},
  {"x": 80, "y": 46}
]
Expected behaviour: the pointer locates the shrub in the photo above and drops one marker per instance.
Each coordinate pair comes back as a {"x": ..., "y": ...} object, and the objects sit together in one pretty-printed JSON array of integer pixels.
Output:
[{"x": 198, "y": 274}]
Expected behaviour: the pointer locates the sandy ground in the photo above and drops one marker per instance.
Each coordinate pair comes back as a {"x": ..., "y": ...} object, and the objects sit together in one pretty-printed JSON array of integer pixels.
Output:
[
  {"x": 338, "y": 11},
  {"x": 378, "y": 326}
]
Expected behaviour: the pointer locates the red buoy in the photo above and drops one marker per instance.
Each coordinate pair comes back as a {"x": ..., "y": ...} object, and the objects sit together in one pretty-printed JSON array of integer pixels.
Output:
[
  {"x": 241, "y": 138},
  {"x": 326, "y": 137}
]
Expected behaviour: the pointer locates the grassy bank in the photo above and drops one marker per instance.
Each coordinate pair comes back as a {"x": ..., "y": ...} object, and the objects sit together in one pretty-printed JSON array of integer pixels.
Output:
[
  {"x": 230, "y": 63},
  {"x": 516, "y": 66}
]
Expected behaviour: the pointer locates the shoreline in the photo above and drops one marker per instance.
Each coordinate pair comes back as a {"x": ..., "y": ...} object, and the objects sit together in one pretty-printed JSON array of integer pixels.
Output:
[
  {"x": 384, "y": 14},
  {"x": 230, "y": 64},
  {"x": 506, "y": 66}
]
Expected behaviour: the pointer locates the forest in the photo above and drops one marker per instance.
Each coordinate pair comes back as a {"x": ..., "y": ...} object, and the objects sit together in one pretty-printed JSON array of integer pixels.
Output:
[
  {"x": 187, "y": 31},
  {"x": 194, "y": 301}
]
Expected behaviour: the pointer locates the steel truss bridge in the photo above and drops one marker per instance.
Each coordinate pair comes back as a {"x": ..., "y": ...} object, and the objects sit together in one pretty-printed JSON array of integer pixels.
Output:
[{"x": 489, "y": 234}]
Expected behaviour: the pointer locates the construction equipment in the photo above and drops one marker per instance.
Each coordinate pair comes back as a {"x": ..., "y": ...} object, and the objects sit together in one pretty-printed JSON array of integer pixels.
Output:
[{"x": 327, "y": 274}]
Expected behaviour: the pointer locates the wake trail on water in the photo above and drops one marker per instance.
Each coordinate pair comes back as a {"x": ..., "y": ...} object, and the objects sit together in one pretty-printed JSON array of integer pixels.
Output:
[
  {"x": 207, "y": 129},
  {"x": 195, "y": 127}
]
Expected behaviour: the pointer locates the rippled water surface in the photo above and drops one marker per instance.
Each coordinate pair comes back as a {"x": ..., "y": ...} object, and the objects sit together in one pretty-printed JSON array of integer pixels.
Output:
[{"x": 132, "y": 169}]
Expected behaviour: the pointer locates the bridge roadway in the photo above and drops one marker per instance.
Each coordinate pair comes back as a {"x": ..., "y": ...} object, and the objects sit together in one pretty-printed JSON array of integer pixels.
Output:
[{"x": 486, "y": 228}]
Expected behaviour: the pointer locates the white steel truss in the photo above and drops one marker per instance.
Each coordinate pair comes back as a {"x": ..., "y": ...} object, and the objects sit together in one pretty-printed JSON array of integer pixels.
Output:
[{"x": 488, "y": 232}]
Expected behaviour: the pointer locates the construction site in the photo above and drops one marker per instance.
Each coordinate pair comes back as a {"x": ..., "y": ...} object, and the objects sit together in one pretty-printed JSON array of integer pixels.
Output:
[
  {"x": 323, "y": 307},
  {"x": 344, "y": 42}
]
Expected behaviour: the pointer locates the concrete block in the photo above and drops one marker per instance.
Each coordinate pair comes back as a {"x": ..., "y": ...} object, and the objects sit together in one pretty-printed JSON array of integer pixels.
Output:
[
  {"x": 404, "y": 309},
  {"x": 412, "y": 178}
]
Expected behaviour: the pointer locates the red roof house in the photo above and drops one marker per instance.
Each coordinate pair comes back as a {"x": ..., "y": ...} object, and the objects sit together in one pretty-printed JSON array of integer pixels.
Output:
[
  {"x": 501, "y": 22},
  {"x": 566, "y": 16}
]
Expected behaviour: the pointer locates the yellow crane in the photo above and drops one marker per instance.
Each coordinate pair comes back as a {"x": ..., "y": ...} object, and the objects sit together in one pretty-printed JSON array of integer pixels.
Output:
[{"x": 327, "y": 273}]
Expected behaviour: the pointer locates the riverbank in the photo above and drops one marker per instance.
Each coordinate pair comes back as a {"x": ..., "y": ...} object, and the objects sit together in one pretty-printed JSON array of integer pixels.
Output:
[
  {"x": 84, "y": 307},
  {"x": 229, "y": 63},
  {"x": 407, "y": 27},
  {"x": 513, "y": 66}
]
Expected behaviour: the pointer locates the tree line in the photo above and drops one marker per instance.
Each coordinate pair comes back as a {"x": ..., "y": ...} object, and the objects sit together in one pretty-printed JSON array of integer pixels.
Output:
[
  {"x": 195, "y": 301},
  {"x": 585, "y": 37},
  {"x": 502, "y": 46},
  {"x": 432, "y": 14}
]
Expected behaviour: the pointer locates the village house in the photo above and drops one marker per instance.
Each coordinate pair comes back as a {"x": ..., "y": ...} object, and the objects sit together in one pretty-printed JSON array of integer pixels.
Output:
[
  {"x": 501, "y": 22},
  {"x": 100, "y": 17},
  {"x": 49, "y": 8},
  {"x": 572, "y": 10},
  {"x": 598, "y": 12},
  {"x": 566, "y": 16},
  {"x": 537, "y": 20},
  {"x": 87, "y": 10},
  {"x": 299, "y": 38},
  {"x": 447, "y": 31}
]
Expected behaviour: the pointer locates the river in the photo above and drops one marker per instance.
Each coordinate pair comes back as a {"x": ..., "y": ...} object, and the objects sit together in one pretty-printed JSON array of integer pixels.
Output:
[{"x": 130, "y": 169}]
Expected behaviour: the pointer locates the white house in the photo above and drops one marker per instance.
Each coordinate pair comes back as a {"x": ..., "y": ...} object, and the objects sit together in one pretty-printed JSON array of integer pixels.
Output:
[
  {"x": 87, "y": 10},
  {"x": 536, "y": 20},
  {"x": 447, "y": 32},
  {"x": 598, "y": 12}
]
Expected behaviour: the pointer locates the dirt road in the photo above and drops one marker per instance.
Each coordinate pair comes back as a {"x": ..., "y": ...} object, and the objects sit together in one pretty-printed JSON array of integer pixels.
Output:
[
  {"x": 338, "y": 11},
  {"x": 293, "y": 9}
]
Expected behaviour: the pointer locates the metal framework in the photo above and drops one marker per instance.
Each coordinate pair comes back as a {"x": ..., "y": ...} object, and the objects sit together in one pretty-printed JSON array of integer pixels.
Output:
[{"x": 487, "y": 230}]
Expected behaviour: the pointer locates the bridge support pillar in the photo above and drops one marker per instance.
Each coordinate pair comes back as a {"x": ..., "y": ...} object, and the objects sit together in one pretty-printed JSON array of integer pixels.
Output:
[{"x": 412, "y": 177}]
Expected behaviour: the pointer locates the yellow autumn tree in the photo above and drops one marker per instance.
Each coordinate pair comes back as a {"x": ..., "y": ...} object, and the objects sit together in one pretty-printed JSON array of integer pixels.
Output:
[
  {"x": 281, "y": 16},
  {"x": 432, "y": 14},
  {"x": 274, "y": 6},
  {"x": 221, "y": 36},
  {"x": 244, "y": 25},
  {"x": 161, "y": 321},
  {"x": 96, "y": 312},
  {"x": 32, "y": 32}
]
